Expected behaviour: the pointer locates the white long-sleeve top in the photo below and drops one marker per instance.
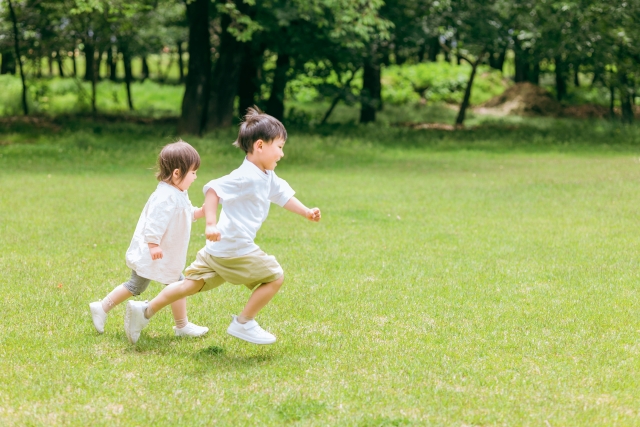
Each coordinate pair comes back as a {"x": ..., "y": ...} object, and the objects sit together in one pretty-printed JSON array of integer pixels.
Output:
[{"x": 166, "y": 221}]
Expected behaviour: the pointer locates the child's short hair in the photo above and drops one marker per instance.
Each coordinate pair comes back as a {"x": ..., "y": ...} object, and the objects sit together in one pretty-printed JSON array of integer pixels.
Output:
[
  {"x": 177, "y": 155},
  {"x": 258, "y": 125}
]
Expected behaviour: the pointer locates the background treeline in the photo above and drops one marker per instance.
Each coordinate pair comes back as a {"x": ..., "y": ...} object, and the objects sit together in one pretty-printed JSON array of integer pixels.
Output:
[{"x": 232, "y": 54}]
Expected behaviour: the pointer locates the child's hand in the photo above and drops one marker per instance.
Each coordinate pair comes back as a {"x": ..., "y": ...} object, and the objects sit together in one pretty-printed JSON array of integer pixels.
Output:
[
  {"x": 212, "y": 233},
  {"x": 155, "y": 251},
  {"x": 313, "y": 214}
]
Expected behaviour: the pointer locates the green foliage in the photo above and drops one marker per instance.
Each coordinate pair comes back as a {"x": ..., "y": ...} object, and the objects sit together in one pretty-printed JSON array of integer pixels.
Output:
[
  {"x": 57, "y": 96},
  {"x": 438, "y": 82}
]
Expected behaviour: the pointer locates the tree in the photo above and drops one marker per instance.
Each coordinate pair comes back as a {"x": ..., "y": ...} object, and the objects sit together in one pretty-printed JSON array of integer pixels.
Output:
[
  {"x": 196, "y": 96},
  {"x": 16, "y": 44},
  {"x": 478, "y": 27}
]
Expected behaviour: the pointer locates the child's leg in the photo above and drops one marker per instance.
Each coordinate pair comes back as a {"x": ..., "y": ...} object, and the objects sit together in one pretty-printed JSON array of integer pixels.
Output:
[
  {"x": 244, "y": 326},
  {"x": 115, "y": 297},
  {"x": 99, "y": 309},
  {"x": 173, "y": 293},
  {"x": 183, "y": 327},
  {"x": 134, "y": 286},
  {"x": 259, "y": 298},
  {"x": 179, "y": 310}
]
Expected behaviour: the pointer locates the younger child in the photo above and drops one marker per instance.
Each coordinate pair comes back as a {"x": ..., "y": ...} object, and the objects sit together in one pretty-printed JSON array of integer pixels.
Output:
[
  {"x": 230, "y": 254},
  {"x": 158, "y": 250}
]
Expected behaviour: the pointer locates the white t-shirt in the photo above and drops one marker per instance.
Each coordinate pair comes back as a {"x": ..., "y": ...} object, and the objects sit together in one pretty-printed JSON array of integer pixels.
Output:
[
  {"x": 245, "y": 195},
  {"x": 166, "y": 221}
]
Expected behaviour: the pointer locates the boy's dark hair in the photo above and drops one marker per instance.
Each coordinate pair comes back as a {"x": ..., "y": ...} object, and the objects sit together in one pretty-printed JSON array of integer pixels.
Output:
[
  {"x": 177, "y": 155},
  {"x": 258, "y": 125}
]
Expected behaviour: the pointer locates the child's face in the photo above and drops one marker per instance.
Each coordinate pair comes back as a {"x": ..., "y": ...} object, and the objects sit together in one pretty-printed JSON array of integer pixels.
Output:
[
  {"x": 271, "y": 153},
  {"x": 186, "y": 182}
]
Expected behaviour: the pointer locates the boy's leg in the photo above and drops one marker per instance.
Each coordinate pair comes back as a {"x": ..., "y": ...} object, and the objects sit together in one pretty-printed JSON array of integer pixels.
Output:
[
  {"x": 138, "y": 313},
  {"x": 173, "y": 293},
  {"x": 244, "y": 326},
  {"x": 259, "y": 298}
]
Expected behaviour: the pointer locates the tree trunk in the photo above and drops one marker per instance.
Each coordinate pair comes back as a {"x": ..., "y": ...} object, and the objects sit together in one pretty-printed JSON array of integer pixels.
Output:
[
  {"x": 128, "y": 75},
  {"x": 447, "y": 52},
  {"x": 249, "y": 81},
  {"x": 145, "y": 67},
  {"x": 98, "y": 64},
  {"x": 74, "y": 62},
  {"x": 89, "y": 53},
  {"x": 521, "y": 65},
  {"x": 180, "y": 62},
  {"x": 112, "y": 60},
  {"x": 496, "y": 60},
  {"x": 612, "y": 99},
  {"x": 8, "y": 63},
  {"x": 561, "y": 83},
  {"x": 434, "y": 49},
  {"x": 224, "y": 82},
  {"x": 576, "y": 75},
  {"x": 16, "y": 46},
  {"x": 370, "y": 101},
  {"x": 345, "y": 88},
  {"x": 422, "y": 52},
  {"x": 534, "y": 73},
  {"x": 467, "y": 91},
  {"x": 275, "y": 104},
  {"x": 94, "y": 84},
  {"x": 196, "y": 94},
  {"x": 626, "y": 102},
  {"x": 50, "y": 61},
  {"x": 59, "y": 59}
]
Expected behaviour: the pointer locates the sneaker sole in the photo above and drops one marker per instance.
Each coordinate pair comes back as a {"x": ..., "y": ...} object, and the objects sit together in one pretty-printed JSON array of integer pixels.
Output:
[
  {"x": 248, "y": 339},
  {"x": 127, "y": 321},
  {"x": 189, "y": 336}
]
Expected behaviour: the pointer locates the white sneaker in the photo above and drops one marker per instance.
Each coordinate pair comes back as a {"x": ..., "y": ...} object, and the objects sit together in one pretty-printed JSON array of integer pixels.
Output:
[
  {"x": 250, "y": 331},
  {"x": 191, "y": 330},
  {"x": 98, "y": 315},
  {"x": 134, "y": 320}
]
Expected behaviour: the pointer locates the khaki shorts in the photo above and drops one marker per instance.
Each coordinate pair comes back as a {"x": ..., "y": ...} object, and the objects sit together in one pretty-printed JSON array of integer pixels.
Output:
[{"x": 251, "y": 270}]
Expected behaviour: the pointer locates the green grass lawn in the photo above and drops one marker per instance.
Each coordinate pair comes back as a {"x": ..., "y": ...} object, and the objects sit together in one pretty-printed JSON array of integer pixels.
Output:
[{"x": 484, "y": 277}]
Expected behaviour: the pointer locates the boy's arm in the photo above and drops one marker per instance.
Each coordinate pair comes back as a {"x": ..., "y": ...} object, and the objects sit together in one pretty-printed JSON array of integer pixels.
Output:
[
  {"x": 294, "y": 205},
  {"x": 211, "y": 201}
]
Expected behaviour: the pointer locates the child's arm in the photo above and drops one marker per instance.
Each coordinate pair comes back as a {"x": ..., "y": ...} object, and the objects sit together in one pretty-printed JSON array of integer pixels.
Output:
[
  {"x": 155, "y": 251},
  {"x": 294, "y": 205},
  {"x": 198, "y": 213},
  {"x": 210, "y": 207}
]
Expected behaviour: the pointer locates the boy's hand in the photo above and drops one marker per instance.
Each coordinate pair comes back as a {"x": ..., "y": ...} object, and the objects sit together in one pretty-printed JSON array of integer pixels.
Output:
[
  {"x": 155, "y": 251},
  {"x": 212, "y": 233},
  {"x": 313, "y": 214}
]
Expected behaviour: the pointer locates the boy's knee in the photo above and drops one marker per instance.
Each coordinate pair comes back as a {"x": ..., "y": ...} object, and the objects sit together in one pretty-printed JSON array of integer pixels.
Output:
[
  {"x": 191, "y": 287},
  {"x": 278, "y": 282}
]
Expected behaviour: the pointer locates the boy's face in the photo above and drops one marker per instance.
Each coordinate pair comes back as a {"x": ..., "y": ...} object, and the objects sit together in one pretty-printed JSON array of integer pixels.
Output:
[{"x": 270, "y": 153}]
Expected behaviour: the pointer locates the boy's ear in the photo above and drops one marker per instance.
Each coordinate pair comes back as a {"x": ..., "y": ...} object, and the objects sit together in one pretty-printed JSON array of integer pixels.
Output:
[
  {"x": 258, "y": 144},
  {"x": 176, "y": 173}
]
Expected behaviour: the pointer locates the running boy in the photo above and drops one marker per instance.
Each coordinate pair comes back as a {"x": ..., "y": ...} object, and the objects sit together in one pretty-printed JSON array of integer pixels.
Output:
[
  {"x": 158, "y": 250},
  {"x": 230, "y": 254}
]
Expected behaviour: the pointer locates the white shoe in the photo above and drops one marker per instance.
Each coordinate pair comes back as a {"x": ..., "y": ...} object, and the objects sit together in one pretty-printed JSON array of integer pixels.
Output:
[
  {"x": 98, "y": 315},
  {"x": 250, "y": 331},
  {"x": 134, "y": 320},
  {"x": 191, "y": 330}
]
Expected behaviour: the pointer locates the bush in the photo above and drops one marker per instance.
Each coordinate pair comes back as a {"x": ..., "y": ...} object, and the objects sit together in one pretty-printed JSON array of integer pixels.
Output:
[{"x": 438, "y": 82}]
